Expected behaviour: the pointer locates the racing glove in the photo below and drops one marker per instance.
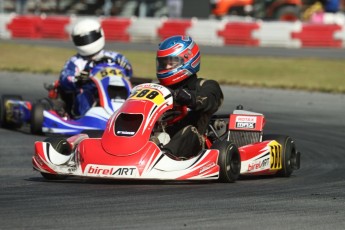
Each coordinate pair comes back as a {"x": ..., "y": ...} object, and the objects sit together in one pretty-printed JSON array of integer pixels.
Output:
[
  {"x": 82, "y": 78},
  {"x": 185, "y": 97},
  {"x": 122, "y": 61}
]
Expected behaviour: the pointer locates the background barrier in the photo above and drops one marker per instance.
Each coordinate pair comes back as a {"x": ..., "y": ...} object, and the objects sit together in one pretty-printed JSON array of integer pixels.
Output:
[
  {"x": 210, "y": 32},
  {"x": 173, "y": 27},
  {"x": 239, "y": 33},
  {"x": 54, "y": 27},
  {"x": 25, "y": 27},
  {"x": 115, "y": 29}
]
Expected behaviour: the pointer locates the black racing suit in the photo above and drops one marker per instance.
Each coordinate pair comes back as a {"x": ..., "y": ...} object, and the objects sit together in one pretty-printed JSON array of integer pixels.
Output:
[{"x": 186, "y": 135}]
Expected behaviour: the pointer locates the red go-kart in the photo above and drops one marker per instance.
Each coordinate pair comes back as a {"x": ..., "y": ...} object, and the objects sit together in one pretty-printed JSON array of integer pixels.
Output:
[{"x": 127, "y": 149}]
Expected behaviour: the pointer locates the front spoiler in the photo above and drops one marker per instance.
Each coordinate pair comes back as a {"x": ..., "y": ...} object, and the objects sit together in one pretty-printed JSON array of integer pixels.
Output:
[{"x": 154, "y": 166}]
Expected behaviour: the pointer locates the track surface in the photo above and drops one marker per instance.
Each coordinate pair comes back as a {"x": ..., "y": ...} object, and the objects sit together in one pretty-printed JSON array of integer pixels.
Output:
[{"x": 312, "y": 198}]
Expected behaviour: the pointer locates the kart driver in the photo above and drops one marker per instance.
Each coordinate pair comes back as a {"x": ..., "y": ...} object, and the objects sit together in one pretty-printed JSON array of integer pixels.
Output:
[
  {"x": 88, "y": 39},
  {"x": 178, "y": 61}
]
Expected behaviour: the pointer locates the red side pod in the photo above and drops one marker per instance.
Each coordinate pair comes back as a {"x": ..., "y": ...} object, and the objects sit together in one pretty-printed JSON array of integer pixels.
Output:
[
  {"x": 204, "y": 168},
  {"x": 250, "y": 151}
]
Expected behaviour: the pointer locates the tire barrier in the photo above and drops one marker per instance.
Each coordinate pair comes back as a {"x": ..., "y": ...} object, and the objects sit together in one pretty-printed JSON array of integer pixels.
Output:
[
  {"x": 206, "y": 32},
  {"x": 115, "y": 29},
  {"x": 54, "y": 27},
  {"x": 174, "y": 27},
  {"x": 25, "y": 27},
  {"x": 239, "y": 33},
  {"x": 5, "y": 20},
  {"x": 277, "y": 34},
  {"x": 318, "y": 35}
]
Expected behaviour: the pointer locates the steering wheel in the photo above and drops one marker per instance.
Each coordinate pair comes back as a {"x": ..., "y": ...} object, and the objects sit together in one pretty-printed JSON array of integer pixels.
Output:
[
  {"x": 92, "y": 63},
  {"x": 175, "y": 115},
  {"x": 104, "y": 59}
]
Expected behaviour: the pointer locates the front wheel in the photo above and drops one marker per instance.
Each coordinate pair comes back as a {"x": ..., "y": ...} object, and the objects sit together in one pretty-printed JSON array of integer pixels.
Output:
[
  {"x": 37, "y": 117},
  {"x": 229, "y": 161},
  {"x": 61, "y": 145}
]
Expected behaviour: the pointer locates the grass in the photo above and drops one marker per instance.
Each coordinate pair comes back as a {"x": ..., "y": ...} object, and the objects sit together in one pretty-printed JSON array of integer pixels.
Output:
[{"x": 311, "y": 74}]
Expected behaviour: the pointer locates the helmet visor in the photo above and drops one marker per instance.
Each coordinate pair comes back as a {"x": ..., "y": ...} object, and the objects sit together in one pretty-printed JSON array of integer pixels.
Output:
[
  {"x": 82, "y": 40},
  {"x": 170, "y": 62}
]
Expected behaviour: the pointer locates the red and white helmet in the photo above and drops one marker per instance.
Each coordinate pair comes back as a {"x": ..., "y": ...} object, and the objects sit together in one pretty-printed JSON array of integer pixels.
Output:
[{"x": 178, "y": 57}]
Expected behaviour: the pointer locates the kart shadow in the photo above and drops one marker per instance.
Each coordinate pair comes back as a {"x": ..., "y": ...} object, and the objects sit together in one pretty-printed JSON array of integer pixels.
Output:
[
  {"x": 102, "y": 181},
  {"x": 82, "y": 180},
  {"x": 258, "y": 177}
]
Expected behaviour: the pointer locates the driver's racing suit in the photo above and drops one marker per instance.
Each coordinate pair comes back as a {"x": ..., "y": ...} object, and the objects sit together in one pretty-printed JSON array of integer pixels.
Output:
[
  {"x": 203, "y": 98},
  {"x": 79, "y": 98}
]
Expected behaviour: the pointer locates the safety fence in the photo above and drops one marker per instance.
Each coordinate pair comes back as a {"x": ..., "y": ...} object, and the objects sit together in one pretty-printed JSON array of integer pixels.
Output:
[{"x": 205, "y": 32}]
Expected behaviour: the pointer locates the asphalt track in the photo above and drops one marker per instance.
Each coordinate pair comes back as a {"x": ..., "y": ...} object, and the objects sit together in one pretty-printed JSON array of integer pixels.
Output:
[{"x": 312, "y": 198}]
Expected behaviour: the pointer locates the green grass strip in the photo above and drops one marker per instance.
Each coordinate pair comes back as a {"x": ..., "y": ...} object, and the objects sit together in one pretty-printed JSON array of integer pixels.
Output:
[{"x": 312, "y": 74}]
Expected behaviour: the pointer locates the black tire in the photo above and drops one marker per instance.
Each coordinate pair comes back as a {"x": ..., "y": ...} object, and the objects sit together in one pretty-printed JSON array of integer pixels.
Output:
[
  {"x": 37, "y": 117},
  {"x": 140, "y": 80},
  {"x": 288, "y": 13},
  {"x": 93, "y": 133},
  {"x": 3, "y": 122},
  {"x": 61, "y": 145},
  {"x": 289, "y": 153},
  {"x": 229, "y": 161}
]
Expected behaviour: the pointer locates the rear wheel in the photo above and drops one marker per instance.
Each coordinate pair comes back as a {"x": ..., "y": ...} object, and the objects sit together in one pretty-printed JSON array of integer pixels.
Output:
[
  {"x": 93, "y": 133},
  {"x": 61, "y": 145},
  {"x": 3, "y": 121},
  {"x": 37, "y": 116},
  {"x": 290, "y": 155},
  {"x": 229, "y": 161}
]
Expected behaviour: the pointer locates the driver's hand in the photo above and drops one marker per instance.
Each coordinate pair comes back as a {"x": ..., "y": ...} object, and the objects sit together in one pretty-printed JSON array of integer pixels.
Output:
[
  {"x": 82, "y": 78},
  {"x": 123, "y": 62},
  {"x": 184, "y": 97}
]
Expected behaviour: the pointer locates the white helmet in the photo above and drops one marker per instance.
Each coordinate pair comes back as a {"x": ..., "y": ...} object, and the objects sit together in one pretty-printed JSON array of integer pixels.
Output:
[{"x": 88, "y": 37}]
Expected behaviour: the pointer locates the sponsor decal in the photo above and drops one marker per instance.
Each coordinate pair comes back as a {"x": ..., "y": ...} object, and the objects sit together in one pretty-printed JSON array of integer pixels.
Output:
[
  {"x": 112, "y": 171},
  {"x": 148, "y": 94},
  {"x": 109, "y": 71},
  {"x": 125, "y": 133},
  {"x": 276, "y": 155},
  {"x": 245, "y": 122},
  {"x": 258, "y": 164},
  {"x": 38, "y": 159},
  {"x": 72, "y": 169},
  {"x": 207, "y": 167}
]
